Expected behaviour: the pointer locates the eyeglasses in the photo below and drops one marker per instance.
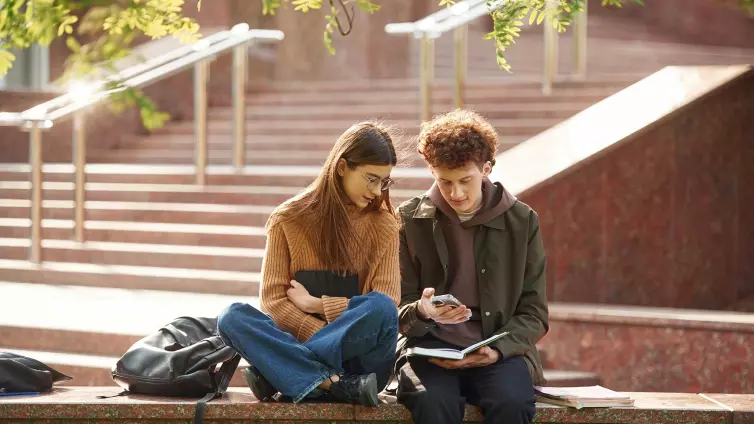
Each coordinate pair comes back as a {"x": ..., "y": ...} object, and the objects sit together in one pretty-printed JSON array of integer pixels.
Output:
[{"x": 373, "y": 182}]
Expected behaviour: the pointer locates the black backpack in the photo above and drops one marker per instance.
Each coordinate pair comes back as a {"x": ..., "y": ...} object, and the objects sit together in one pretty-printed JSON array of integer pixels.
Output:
[
  {"x": 19, "y": 374},
  {"x": 180, "y": 359}
]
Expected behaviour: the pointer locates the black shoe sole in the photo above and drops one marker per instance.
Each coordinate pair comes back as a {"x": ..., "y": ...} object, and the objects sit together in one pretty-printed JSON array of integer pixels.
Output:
[
  {"x": 260, "y": 387},
  {"x": 368, "y": 396}
]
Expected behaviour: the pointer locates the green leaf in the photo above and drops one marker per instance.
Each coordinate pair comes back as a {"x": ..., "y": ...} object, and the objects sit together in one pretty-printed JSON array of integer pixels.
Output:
[
  {"x": 73, "y": 44},
  {"x": 306, "y": 5},
  {"x": 270, "y": 6},
  {"x": 368, "y": 6},
  {"x": 6, "y": 61}
]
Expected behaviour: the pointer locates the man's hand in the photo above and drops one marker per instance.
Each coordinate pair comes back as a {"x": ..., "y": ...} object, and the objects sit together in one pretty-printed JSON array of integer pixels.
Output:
[
  {"x": 303, "y": 300},
  {"x": 442, "y": 314},
  {"x": 481, "y": 358}
]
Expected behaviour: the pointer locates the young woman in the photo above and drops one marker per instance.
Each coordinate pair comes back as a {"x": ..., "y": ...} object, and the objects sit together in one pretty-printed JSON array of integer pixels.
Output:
[{"x": 332, "y": 347}]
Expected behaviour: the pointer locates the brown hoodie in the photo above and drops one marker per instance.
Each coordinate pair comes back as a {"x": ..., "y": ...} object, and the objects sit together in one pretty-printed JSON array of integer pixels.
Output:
[{"x": 462, "y": 272}]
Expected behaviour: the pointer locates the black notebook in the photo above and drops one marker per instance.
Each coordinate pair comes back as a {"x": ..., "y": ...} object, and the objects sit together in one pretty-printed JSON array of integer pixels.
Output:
[{"x": 327, "y": 283}]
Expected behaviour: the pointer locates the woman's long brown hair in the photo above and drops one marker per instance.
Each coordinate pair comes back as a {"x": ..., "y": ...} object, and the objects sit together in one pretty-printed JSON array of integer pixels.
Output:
[{"x": 365, "y": 143}]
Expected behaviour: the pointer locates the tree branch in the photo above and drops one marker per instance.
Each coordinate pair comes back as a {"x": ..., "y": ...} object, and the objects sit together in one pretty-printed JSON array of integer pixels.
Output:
[{"x": 349, "y": 18}]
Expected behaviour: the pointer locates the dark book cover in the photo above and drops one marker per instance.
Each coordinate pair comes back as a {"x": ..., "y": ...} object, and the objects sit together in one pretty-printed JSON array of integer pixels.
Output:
[{"x": 327, "y": 283}]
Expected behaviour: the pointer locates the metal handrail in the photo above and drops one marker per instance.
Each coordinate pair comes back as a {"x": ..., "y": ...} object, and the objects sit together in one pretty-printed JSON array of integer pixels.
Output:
[
  {"x": 171, "y": 67},
  {"x": 457, "y": 17},
  {"x": 132, "y": 71},
  {"x": 10, "y": 119},
  {"x": 75, "y": 103},
  {"x": 431, "y": 23}
]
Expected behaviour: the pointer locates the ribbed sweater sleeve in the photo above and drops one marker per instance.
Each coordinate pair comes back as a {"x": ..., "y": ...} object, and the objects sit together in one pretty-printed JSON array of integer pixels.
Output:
[
  {"x": 386, "y": 277},
  {"x": 334, "y": 306},
  {"x": 275, "y": 280}
]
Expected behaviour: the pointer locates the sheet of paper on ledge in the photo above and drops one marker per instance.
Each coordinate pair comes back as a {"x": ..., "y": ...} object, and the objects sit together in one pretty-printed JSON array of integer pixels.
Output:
[{"x": 582, "y": 397}]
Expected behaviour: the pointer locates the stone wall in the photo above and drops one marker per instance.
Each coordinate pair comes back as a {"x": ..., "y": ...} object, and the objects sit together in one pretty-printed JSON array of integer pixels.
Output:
[
  {"x": 654, "y": 350},
  {"x": 703, "y": 22},
  {"x": 665, "y": 219}
]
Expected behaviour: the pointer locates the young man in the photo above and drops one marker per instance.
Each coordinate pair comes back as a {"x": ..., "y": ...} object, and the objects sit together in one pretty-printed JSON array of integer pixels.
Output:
[{"x": 471, "y": 238}]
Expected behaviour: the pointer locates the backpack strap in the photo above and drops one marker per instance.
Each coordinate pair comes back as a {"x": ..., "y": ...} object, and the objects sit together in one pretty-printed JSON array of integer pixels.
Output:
[
  {"x": 226, "y": 373},
  {"x": 123, "y": 393},
  {"x": 178, "y": 335},
  {"x": 202, "y": 405}
]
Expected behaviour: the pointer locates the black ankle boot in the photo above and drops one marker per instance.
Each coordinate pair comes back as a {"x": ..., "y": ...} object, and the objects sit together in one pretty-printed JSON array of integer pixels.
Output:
[
  {"x": 259, "y": 385},
  {"x": 357, "y": 389}
]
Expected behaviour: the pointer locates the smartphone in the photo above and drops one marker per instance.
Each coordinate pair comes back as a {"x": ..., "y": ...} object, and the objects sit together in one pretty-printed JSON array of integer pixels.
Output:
[{"x": 445, "y": 300}]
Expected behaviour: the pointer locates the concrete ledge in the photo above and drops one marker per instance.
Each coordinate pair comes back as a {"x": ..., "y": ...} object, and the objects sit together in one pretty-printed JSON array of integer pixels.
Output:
[
  {"x": 648, "y": 349},
  {"x": 74, "y": 404},
  {"x": 697, "y": 319}
]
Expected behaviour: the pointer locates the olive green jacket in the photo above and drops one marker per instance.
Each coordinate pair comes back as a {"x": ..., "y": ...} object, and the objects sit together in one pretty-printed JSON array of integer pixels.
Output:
[{"x": 510, "y": 266}]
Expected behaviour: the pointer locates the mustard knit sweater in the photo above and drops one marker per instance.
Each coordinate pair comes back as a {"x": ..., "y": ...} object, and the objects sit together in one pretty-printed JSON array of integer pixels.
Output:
[{"x": 289, "y": 249}]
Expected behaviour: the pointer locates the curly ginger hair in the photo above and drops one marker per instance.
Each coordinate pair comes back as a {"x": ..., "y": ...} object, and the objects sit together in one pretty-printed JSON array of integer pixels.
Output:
[{"x": 453, "y": 139}]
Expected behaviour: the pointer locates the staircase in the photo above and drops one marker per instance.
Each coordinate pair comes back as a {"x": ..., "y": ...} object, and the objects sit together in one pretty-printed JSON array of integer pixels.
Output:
[
  {"x": 294, "y": 125},
  {"x": 159, "y": 246}
]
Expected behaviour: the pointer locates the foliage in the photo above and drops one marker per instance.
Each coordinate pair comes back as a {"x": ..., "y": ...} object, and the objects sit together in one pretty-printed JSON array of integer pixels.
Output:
[
  {"x": 97, "y": 32},
  {"x": 508, "y": 16}
]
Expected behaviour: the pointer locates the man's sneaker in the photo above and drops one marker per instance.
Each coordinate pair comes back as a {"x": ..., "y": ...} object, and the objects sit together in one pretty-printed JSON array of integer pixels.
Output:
[
  {"x": 259, "y": 385},
  {"x": 358, "y": 389}
]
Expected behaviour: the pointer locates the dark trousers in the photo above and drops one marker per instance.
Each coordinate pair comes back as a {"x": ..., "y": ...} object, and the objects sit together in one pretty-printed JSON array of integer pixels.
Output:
[{"x": 435, "y": 395}]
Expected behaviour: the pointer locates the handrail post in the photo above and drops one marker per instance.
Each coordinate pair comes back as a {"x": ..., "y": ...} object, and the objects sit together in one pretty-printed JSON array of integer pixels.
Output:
[
  {"x": 35, "y": 159},
  {"x": 426, "y": 52},
  {"x": 579, "y": 42},
  {"x": 79, "y": 163},
  {"x": 550, "y": 54},
  {"x": 460, "y": 44},
  {"x": 239, "y": 106},
  {"x": 201, "y": 75}
]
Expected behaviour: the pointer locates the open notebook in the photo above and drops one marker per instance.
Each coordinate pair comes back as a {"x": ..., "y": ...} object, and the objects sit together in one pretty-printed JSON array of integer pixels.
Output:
[
  {"x": 452, "y": 353},
  {"x": 582, "y": 397}
]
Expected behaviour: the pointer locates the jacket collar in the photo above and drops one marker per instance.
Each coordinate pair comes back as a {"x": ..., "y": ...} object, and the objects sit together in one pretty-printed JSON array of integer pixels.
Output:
[{"x": 426, "y": 209}]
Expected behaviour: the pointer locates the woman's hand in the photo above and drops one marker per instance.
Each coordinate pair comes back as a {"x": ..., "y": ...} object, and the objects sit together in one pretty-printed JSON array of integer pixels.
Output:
[{"x": 303, "y": 300}]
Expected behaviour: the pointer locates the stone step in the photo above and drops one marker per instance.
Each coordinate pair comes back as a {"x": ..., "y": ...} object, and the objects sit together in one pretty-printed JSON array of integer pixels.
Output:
[
  {"x": 181, "y": 150},
  {"x": 523, "y": 81},
  {"x": 144, "y": 154},
  {"x": 473, "y": 93},
  {"x": 179, "y": 213},
  {"x": 138, "y": 254},
  {"x": 94, "y": 371},
  {"x": 441, "y": 99},
  {"x": 334, "y": 128},
  {"x": 277, "y": 146},
  {"x": 356, "y": 113},
  {"x": 130, "y": 277},
  {"x": 97, "y": 320},
  {"x": 142, "y": 232},
  {"x": 68, "y": 405},
  {"x": 224, "y": 175},
  {"x": 117, "y": 192}
]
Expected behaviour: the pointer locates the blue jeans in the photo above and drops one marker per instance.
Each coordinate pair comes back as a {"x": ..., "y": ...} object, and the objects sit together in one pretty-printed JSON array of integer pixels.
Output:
[{"x": 361, "y": 341}]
